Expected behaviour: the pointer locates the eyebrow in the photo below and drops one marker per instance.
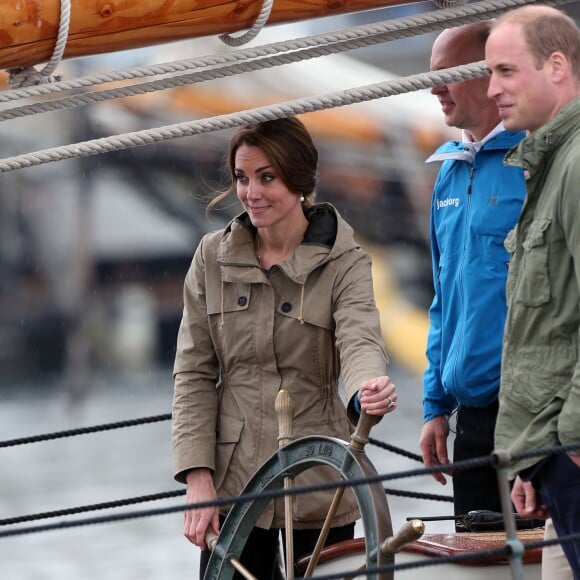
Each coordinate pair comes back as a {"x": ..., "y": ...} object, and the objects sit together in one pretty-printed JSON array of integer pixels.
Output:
[
  {"x": 258, "y": 170},
  {"x": 499, "y": 64}
]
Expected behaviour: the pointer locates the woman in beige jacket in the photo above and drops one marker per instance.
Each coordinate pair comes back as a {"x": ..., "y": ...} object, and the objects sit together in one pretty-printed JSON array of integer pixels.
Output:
[{"x": 282, "y": 297}]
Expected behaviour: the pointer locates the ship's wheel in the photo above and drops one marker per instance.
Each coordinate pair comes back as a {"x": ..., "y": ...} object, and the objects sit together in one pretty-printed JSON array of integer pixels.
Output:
[{"x": 349, "y": 461}]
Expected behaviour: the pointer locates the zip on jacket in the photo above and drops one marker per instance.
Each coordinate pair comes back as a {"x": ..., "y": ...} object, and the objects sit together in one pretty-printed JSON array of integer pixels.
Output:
[{"x": 476, "y": 202}]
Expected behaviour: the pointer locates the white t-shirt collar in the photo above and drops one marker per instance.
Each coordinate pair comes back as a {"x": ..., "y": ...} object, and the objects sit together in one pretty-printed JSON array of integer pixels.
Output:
[{"x": 475, "y": 146}]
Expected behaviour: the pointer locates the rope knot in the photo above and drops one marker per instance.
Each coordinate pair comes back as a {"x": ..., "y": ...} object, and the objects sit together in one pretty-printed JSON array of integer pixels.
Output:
[
  {"x": 29, "y": 76},
  {"x": 21, "y": 77}
]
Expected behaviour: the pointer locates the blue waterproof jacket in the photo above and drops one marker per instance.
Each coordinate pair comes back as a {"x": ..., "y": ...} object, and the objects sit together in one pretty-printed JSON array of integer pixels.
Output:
[{"x": 476, "y": 202}]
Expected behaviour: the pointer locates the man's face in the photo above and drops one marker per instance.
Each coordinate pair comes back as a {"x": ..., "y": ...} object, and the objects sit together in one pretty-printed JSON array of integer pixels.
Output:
[
  {"x": 465, "y": 105},
  {"x": 523, "y": 93}
]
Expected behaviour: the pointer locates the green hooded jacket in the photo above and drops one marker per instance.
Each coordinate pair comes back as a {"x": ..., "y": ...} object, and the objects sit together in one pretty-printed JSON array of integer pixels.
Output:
[{"x": 540, "y": 379}]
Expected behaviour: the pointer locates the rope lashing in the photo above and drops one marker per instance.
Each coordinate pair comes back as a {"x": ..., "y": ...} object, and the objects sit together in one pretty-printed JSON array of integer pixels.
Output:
[
  {"x": 22, "y": 77},
  {"x": 448, "y": 3}
]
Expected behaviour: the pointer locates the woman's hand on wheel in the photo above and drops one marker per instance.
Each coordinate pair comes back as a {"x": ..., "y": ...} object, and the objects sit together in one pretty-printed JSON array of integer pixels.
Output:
[{"x": 378, "y": 396}]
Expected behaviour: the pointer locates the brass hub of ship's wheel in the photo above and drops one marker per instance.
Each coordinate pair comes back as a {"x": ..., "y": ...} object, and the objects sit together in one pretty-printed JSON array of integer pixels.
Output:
[{"x": 288, "y": 462}]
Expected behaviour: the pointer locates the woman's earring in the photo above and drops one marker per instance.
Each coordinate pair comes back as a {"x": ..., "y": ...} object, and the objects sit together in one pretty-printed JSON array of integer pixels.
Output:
[{"x": 301, "y": 198}]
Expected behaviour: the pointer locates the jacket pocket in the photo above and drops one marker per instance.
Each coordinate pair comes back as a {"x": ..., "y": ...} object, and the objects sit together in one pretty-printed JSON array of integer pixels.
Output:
[
  {"x": 536, "y": 376},
  {"x": 533, "y": 288},
  {"x": 312, "y": 309},
  {"x": 231, "y": 297},
  {"x": 228, "y": 437}
]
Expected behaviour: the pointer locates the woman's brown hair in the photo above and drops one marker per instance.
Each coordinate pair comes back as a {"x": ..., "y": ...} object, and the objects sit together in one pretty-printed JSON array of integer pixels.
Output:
[{"x": 289, "y": 148}]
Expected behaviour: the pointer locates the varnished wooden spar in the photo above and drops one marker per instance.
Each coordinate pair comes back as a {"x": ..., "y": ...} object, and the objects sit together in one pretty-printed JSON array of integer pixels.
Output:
[{"x": 28, "y": 28}]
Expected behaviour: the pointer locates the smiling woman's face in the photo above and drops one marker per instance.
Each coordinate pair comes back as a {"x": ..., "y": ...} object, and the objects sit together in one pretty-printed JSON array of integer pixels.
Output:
[{"x": 261, "y": 190}]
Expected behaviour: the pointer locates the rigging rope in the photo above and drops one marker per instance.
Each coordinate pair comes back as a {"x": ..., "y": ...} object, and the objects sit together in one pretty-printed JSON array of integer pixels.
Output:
[
  {"x": 505, "y": 550},
  {"x": 21, "y": 77},
  {"x": 259, "y": 114},
  {"x": 307, "y": 47},
  {"x": 83, "y": 431},
  {"x": 299, "y": 106},
  {"x": 457, "y": 466},
  {"x": 463, "y": 465},
  {"x": 394, "y": 449},
  {"x": 155, "y": 419},
  {"x": 91, "y": 507},
  {"x": 262, "y": 495},
  {"x": 227, "y": 501},
  {"x": 170, "y": 494}
]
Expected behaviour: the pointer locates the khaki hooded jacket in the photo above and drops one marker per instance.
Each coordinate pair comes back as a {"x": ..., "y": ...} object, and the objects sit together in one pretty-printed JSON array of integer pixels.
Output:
[{"x": 246, "y": 333}]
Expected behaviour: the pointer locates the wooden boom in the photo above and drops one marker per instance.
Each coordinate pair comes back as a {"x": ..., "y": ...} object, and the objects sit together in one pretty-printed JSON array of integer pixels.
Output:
[{"x": 29, "y": 28}]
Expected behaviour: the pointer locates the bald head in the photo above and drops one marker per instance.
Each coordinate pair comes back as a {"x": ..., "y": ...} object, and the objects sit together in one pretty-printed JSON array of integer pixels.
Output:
[
  {"x": 464, "y": 104},
  {"x": 465, "y": 43}
]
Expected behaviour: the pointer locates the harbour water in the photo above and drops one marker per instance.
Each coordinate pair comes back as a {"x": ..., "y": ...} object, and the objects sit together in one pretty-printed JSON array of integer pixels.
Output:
[{"x": 132, "y": 462}]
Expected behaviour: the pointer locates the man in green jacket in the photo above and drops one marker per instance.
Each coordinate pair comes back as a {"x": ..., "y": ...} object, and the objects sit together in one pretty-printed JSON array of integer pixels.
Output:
[{"x": 534, "y": 57}]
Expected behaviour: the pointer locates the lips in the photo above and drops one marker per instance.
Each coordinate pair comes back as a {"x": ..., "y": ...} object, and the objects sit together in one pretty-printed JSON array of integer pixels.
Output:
[
  {"x": 256, "y": 210},
  {"x": 503, "y": 110},
  {"x": 446, "y": 106}
]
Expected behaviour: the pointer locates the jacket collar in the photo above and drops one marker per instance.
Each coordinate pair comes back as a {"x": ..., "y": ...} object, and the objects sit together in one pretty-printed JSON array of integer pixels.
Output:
[
  {"x": 322, "y": 224},
  {"x": 504, "y": 140},
  {"x": 327, "y": 237},
  {"x": 533, "y": 150}
]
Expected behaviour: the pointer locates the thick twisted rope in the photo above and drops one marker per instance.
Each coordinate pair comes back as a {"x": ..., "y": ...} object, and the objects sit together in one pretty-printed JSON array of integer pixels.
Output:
[
  {"x": 221, "y": 122},
  {"x": 329, "y": 43}
]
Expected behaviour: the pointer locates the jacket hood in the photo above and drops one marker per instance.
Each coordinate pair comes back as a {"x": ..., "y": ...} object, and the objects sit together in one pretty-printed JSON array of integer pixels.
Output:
[{"x": 327, "y": 237}]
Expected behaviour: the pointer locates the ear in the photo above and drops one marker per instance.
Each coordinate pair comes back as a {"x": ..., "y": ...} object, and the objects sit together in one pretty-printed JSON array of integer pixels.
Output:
[{"x": 559, "y": 66}]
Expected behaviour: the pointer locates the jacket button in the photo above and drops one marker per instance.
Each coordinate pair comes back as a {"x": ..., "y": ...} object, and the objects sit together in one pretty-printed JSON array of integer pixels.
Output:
[
  {"x": 242, "y": 301},
  {"x": 286, "y": 307}
]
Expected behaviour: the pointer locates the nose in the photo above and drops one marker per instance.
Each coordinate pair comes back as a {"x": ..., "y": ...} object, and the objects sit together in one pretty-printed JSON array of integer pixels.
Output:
[
  {"x": 252, "y": 190},
  {"x": 438, "y": 90},
  {"x": 493, "y": 90}
]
